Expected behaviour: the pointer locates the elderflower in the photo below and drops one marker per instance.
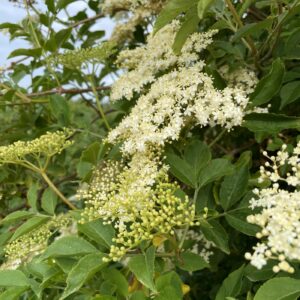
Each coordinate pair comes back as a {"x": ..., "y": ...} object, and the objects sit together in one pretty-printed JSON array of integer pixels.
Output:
[
  {"x": 138, "y": 199},
  {"x": 25, "y": 247},
  {"x": 132, "y": 13},
  {"x": 48, "y": 144},
  {"x": 279, "y": 218},
  {"x": 183, "y": 95}
]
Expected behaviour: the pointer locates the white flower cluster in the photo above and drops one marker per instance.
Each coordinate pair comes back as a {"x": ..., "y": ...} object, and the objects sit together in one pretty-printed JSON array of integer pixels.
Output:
[
  {"x": 185, "y": 94},
  {"x": 129, "y": 14},
  {"x": 280, "y": 215}
]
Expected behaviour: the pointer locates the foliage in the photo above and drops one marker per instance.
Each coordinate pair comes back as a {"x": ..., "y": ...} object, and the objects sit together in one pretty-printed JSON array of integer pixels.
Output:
[{"x": 162, "y": 162}]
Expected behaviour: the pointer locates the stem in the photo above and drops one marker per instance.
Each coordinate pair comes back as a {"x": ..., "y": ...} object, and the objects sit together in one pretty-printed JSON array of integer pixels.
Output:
[
  {"x": 238, "y": 20},
  {"x": 54, "y": 188},
  {"x": 99, "y": 106},
  {"x": 218, "y": 137}
]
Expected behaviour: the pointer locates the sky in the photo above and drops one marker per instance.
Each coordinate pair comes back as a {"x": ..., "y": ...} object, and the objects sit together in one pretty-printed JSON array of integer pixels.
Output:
[{"x": 12, "y": 13}]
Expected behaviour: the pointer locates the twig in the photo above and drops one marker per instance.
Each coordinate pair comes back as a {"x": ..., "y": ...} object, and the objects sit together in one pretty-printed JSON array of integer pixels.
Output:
[{"x": 87, "y": 20}]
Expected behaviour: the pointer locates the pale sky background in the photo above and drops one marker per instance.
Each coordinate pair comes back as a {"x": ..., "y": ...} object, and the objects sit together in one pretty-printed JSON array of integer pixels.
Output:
[{"x": 12, "y": 13}]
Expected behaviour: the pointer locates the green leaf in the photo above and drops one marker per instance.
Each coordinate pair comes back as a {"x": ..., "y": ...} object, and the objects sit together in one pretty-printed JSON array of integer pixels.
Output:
[
  {"x": 191, "y": 262},
  {"x": 203, "y": 6},
  {"x": 232, "y": 285},
  {"x": 36, "y": 53},
  {"x": 265, "y": 273},
  {"x": 290, "y": 93},
  {"x": 116, "y": 278},
  {"x": 94, "y": 152},
  {"x": 13, "y": 278},
  {"x": 197, "y": 154},
  {"x": 49, "y": 201},
  {"x": 16, "y": 216},
  {"x": 13, "y": 293},
  {"x": 169, "y": 287},
  {"x": 143, "y": 268},
  {"x": 252, "y": 28},
  {"x": 98, "y": 232},
  {"x": 215, "y": 233},
  {"x": 292, "y": 45},
  {"x": 269, "y": 85},
  {"x": 62, "y": 36},
  {"x": 68, "y": 246},
  {"x": 60, "y": 109},
  {"x": 83, "y": 271},
  {"x": 234, "y": 187},
  {"x": 171, "y": 10},
  {"x": 216, "y": 169},
  {"x": 29, "y": 225},
  {"x": 50, "y": 5},
  {"x": 270, "y": 123},
  {"x": 64, "y": 3},
  {"x": 181, "y": 169},
  {"x": 283, "y": 288},
  {"x": 138, "y": 295},
  {"x": 32, "y": 196},
  {"x": 189, "y": 26}
]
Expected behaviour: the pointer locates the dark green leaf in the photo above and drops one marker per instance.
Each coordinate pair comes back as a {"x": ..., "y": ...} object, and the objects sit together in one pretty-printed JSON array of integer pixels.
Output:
[
  {"x": 13, "y": 293},
  {"x": 269, "y": 85},
  {"x": 82, "y": 271},
  {"x": 290, "y": 93},
  {"x": 292, "y": 46},
  {"x": 171, "y": 10},
  {"x": 68, "y": 246},
  {"x": 32, "y": 196},
  {"x": 232, "y": 285},
  {"x": 169, "y": 287},
  {"x": 191, "y": 262},
  {"x": 36, "y": 53},
  {"x": 143, "y": 268},
  {"x": 116, "y": 278},
  {"x": 189, "y": 26},
  {"x": 13, "y": 278},
  {"x": 16, "y": 216},
  {"x": 49, "y": 201},
  {"x": 216, "y": 233},
  {"x": 283, "y": 288},
  {"x": 203, "y": 6},
  {"x": 270, "y": 123}
]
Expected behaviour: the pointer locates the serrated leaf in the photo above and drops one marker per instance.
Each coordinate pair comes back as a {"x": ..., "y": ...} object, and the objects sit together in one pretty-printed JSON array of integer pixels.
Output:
[
  {"x": 269, "y": 85},
  {"x": 270, "y": 123},
  {"x": 98, "y": 232},
  {"x": 234, "y": 187},
  {"x": 216, "y": 233},
  {"x": 171, "y": 10},
  {"x": 188, "y": 26},
  {"x": 32, "y": 196},
  {"x": 290, "y": 93},
  {"x": 13, "y": 278},
  {"x": 216, "y": 169},
  {"x": 68, "y": 246},
  {"x": 117, "y": 279},
  {"x": 232, "y": 285},
  {"x": 16, "y": 216},
  {"x": 49, "y": 201},
  {"x": 203, "y": 6},
  {"x": 283, "y": 288},
  {"x": 169, "y": 287},
  {"x": 82, "y": 271},
  {"x": 143, "y": 268},
  {"x": 191, "y": 262}
]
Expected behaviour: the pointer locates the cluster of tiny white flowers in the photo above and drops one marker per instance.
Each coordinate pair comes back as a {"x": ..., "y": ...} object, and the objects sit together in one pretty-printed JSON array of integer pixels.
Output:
[
  {"x": 185, "y": 94},
  {"x": 137, "y": 199},
  {"x": 129, "y": 14},
  {"x": 279, "y": 217},
  {"x": 201, "y": 245},
  {"x": 48, "y": 144}
]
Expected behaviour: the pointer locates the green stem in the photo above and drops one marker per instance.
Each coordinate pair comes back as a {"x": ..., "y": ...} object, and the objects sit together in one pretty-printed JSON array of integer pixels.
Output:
[
  {"x": 56, "y": 191},
  {"x": 99, "y": 106},
  {"x": 218, "y": 137}
]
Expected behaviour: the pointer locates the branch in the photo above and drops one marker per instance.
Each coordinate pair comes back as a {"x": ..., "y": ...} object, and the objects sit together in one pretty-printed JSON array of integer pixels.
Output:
[{"x": 87, "y": 20}]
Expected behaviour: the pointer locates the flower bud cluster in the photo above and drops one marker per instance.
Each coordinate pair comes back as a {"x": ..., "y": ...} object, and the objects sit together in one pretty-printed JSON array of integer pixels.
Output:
[
  {"x": 138, "y": 199},
  {"x": 24, "y": 248},
  {"x": 75, "y": 58},
  {"x": 279, "y": 217},
  {"x": 48, "y": 144}
]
